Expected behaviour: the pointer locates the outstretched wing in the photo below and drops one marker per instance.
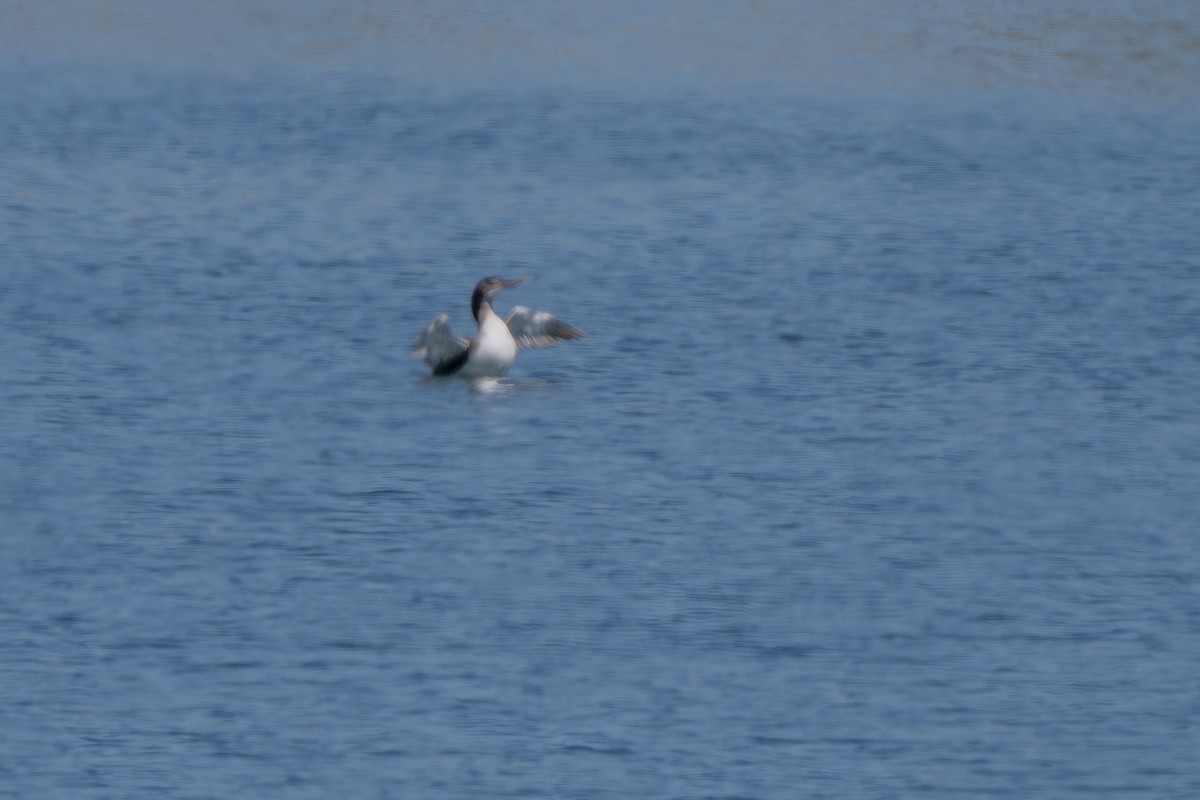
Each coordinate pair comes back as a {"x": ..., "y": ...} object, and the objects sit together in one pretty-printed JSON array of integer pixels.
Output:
[
  {"x": 439, "y": 347},
  {"x": 539, "y": 328}
]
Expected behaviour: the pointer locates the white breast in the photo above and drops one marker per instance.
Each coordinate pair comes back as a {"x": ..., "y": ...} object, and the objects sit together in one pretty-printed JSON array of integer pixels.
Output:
[{"x": 494, "y": 349}]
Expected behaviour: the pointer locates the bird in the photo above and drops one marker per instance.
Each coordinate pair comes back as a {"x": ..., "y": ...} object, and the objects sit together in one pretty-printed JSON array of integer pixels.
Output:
[{"x": 491, "y": 351}]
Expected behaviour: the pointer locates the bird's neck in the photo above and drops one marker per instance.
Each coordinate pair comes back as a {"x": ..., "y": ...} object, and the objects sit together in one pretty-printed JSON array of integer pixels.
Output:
[{"x": 480, "y": 306}]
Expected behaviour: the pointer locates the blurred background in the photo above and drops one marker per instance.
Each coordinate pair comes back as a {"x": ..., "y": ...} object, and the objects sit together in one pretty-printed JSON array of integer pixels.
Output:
[{"x": 1116, "y": 48}]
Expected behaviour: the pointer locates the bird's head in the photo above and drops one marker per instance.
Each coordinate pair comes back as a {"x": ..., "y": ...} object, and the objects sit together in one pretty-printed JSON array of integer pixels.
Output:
[{"x": 488, "y": 288}]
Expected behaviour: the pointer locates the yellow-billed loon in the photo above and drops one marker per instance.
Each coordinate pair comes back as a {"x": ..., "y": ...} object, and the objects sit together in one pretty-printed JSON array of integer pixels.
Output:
[{"x": 492, "y": 351}]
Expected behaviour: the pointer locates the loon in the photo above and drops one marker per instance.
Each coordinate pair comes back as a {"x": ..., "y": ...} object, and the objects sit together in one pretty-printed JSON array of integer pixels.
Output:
[{"x": 492, "y": 351}]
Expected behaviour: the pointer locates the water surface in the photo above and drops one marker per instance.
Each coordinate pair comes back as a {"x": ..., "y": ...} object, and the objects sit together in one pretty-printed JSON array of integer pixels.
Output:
[{"x": 875, "y": 476}]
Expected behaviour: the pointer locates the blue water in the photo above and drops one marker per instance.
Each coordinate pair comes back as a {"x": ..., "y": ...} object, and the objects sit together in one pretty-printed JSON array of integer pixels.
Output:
[{"x": 875, "y": 476}]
